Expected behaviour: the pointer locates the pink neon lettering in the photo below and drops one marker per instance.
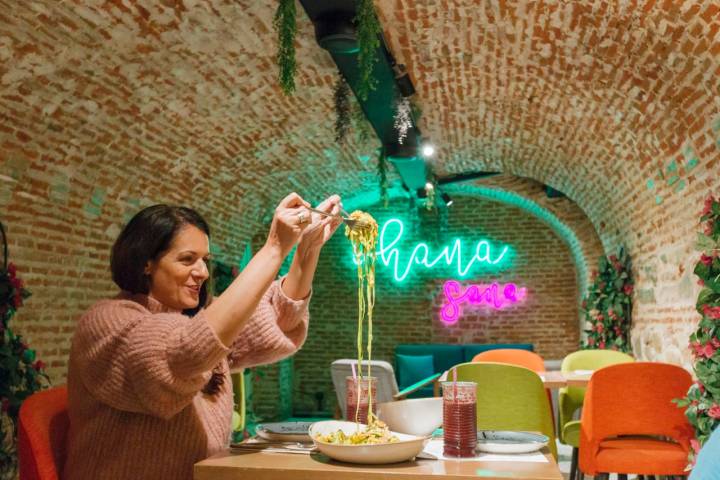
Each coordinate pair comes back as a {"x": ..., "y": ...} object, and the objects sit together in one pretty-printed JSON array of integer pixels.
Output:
[{"x": 491, "y": 295}]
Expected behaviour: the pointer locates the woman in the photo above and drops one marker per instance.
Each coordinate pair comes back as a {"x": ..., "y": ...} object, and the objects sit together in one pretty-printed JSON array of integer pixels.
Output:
[{"x": 149, "y": 387}]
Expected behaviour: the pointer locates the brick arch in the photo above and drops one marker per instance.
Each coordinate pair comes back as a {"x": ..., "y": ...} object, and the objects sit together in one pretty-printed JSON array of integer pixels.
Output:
[{"x": 584, "y": 253}]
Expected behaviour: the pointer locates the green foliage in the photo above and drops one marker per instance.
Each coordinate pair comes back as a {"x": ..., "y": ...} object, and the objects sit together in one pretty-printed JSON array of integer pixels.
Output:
[
  {"x": 21, "y": 373},
  {"x": 702, "y": 403},
  {"x": 343, "y": 109},
  {"x": 608, "y": 305},
  {"x": 286, "y": 28},
  {"x": 368, "y": 31},
  {"x": 382, "y": 176}
]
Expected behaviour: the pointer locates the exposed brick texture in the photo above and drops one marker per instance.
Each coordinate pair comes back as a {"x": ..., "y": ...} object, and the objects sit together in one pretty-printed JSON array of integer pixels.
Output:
[
  {"x": 106, "y": 107},
  {"x": 408, "y": 312}
]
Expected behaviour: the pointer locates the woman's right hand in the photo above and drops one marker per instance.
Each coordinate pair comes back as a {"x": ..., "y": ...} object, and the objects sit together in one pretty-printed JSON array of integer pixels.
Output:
[{"x": 290, "y": 219}]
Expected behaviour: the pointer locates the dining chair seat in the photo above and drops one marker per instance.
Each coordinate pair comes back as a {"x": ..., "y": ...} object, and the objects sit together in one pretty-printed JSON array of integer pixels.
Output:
[{"x": 640, "y": 455}]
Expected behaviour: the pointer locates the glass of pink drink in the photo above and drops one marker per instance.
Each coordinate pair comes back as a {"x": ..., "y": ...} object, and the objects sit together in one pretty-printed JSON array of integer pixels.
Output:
[
  {"x": 459, "y": 419},
  {"x": 357, "y": 397}
]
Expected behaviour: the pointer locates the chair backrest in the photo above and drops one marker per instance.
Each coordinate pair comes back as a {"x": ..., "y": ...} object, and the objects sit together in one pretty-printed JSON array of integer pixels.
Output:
[
  {"x": 386, "y": 384},
  {"x": 513, "y": 356},
  {"x": 509, "y": 397},
  {"x": 585, "y": 360},
  {"x": 43, "y": 425},
  {"x": 635, "y": 399}
]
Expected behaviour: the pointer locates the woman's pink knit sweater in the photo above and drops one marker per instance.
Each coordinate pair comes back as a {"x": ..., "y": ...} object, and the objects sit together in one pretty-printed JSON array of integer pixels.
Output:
[{"x": 135, "y": 374}]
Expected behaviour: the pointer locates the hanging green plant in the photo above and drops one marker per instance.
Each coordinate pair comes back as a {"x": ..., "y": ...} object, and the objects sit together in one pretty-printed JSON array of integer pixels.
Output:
[
  {"x": 285, "y": 26},
  {"x": 360, "y": 124},
  {"x": 382, "y": 176},
  {"x": 368, "y": 30},
  {"x": 343, "y": 108}
]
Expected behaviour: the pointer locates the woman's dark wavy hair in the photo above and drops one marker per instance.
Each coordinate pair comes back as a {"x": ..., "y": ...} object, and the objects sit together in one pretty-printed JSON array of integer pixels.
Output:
[{"x": 147, "y": 236}]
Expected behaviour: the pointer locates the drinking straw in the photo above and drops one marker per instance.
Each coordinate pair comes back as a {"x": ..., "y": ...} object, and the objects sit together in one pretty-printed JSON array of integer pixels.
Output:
[{"x": 455, "y": 384}]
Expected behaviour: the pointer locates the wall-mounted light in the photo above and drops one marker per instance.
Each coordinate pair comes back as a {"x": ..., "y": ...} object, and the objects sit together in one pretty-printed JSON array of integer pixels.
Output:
[
  {"x": 446, "y": 198},
  {"x": 428, "y": 150}
]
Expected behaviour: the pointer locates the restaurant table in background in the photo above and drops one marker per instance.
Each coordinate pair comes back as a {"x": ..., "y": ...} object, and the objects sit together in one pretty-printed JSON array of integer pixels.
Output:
[
  {"x": 558, "y": 379},
  {"x": 552, "y": 380},
  {"x": 288, "y": 466}
]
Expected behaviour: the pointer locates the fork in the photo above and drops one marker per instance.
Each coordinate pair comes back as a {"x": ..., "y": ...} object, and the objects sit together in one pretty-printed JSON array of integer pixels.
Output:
[{"x": 351, "y": 223}]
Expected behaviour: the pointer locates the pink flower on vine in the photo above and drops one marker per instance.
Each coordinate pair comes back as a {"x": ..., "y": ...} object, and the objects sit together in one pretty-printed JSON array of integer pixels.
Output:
[
  {"x": 628, "y": 289},
  {"x": 601, "y": 345},
  {"x": 708, "y": 229},
  {"x": 714, "y": 412},
  {"x": 590, "y": 341},
  {"x": 707, "y": 350},
  {"x": 711, "y": 312},
  {"x": 599, "y": 327},
  {"x": 706, "y": 260},
  {"x": 600, "y": 317},
  {"x": 701, "y": 283},
  {"x": 700, "y": 387},
  {"x": 707, "y": 208}
]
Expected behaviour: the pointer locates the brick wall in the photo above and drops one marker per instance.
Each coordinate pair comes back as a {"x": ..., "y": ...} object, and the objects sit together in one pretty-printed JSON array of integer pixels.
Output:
[
  {"x": 408, "y": 312},
  {"x": 108, "y": 107}
]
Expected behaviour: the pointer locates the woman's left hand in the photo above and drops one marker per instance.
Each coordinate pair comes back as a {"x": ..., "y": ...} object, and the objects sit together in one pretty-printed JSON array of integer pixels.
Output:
[{"x": 321, "y": 228}]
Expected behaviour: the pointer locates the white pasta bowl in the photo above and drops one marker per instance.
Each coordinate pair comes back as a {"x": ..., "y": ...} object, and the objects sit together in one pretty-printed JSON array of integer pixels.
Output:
[
  {"x": 407, "y": 448},
  {"x": 414, "y": 416}
]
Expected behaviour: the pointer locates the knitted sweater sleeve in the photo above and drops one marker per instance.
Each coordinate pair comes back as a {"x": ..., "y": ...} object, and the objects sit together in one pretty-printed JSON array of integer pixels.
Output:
[
  {"x": 276, "y": 330},
  {"x": 137, "y": 361}
]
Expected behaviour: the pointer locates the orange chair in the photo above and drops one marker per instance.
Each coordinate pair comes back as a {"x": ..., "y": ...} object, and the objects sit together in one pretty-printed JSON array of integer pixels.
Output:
[
  {"x": 42, "y": 434},
  {"x": 628, "y": 417},
  {"x": 513, "y": 356}
]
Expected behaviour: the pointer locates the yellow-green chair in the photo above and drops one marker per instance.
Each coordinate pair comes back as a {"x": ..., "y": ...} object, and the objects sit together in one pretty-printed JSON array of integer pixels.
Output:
[
  {"x": 509, "y": 397},
  {"x": 570, "y": 399},
  {"x": 239, "y": 415}
]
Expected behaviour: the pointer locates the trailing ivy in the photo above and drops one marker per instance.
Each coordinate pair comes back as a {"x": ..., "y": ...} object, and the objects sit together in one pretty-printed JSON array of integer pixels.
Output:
[
  {"x": 702, "y": 403},
  {"x": 608, "y": 305},
  {"x": 343, "y": 109},
  {"x": 382, "y": 176},
  {"x": 285, "y": 26},
  {"x": 368, "y": 30}
]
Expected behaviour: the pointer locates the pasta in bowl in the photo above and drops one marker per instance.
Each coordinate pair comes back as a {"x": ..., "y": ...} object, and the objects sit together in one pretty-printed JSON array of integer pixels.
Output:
[{"x": 335, "y": 439}]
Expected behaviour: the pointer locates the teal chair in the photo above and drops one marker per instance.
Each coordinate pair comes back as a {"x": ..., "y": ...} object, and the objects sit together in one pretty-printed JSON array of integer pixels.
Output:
[
  {"x": 570, "y": 399},
  {"x": 510, "y": 397}
]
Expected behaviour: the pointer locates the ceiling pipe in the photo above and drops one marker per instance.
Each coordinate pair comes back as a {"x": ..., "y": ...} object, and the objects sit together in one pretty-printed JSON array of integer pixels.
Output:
[{"x": 336, "y": 32}]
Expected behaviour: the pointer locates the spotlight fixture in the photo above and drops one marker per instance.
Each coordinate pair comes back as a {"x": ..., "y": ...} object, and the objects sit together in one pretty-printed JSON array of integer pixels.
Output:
[
  {"x": 446, "y": 198},
  {"x": 428, "y": 150}
]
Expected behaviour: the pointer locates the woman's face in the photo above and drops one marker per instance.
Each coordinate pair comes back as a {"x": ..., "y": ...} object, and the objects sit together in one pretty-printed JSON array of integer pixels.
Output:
[{"x": 176, "y": 277}]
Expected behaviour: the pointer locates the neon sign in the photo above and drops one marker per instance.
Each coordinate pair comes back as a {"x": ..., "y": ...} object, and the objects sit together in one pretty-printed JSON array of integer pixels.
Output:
[
  {"x": 491, "y": 295},
  {"x": 420, "y": 255}
]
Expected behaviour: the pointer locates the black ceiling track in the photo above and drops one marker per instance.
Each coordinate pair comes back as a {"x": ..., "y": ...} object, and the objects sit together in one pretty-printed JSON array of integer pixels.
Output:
[{"x": 335, "y": 31}]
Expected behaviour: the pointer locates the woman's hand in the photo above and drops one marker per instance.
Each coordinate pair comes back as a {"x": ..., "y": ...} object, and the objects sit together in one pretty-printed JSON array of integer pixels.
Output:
[
  {"x": 290, "y": 220},
  {"x": 321, "y": 228}
]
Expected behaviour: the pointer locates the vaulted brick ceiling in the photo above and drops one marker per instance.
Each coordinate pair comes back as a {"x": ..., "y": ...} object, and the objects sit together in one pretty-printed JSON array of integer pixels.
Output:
[{"x": 589, "y": 97}]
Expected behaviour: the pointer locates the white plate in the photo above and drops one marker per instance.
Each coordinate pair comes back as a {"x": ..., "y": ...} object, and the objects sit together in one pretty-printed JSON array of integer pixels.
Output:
[
  {"x": 499, "y": 441},
  {"x": 408, "y": 447},
  {"x": 284, "y": 431}
]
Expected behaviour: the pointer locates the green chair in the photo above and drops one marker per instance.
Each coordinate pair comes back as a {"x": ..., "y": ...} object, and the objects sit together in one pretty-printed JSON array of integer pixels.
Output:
[
  {"x": 509, "y": 398},
  {"x": 570, "y": 399}
]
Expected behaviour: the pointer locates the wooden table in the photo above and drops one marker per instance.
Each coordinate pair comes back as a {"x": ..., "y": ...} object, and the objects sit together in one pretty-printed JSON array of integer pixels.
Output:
[
  {"x": 551, "y": 380},
  {"x": 557, "y": 379},
  {"x": 287, "y": 466}
]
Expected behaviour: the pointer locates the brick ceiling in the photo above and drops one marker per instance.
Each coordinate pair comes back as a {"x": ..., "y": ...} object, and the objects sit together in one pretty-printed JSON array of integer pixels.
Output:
[{"x": 586, "y": 96}]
